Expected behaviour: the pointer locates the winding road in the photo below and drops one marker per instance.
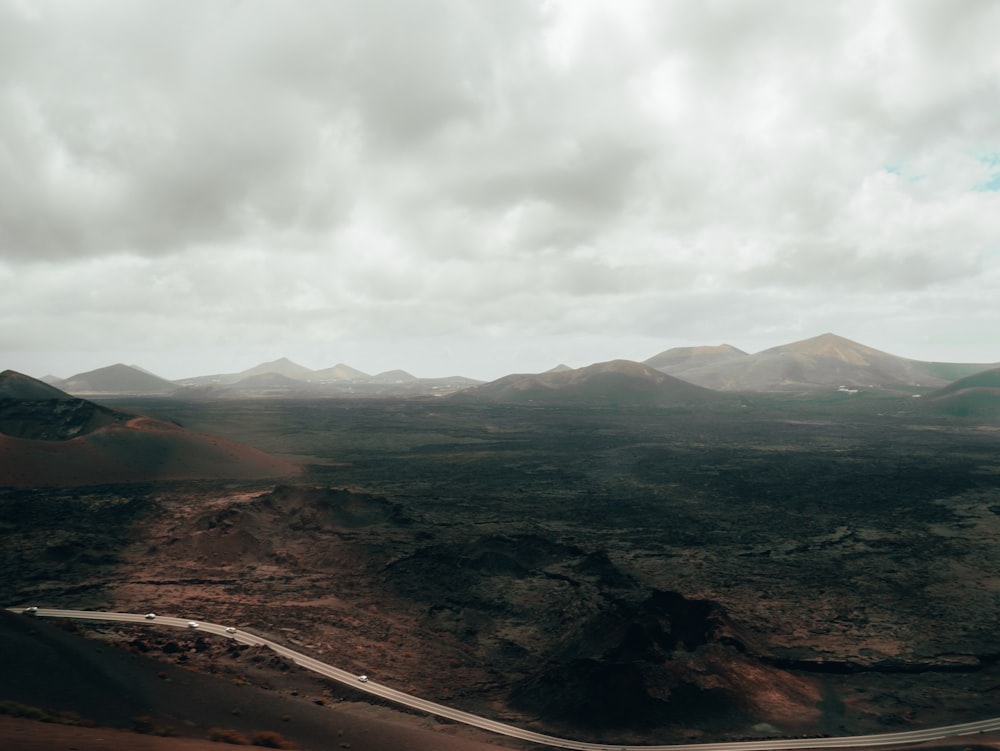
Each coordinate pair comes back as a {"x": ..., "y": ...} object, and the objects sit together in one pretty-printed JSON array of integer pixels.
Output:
[{"x": 415, "y": 702}]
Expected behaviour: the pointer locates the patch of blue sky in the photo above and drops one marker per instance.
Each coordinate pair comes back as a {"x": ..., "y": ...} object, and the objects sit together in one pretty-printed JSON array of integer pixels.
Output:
[
  {"x": 992, "y": 161},
  {"x": 900, "y": 170},
  {"x": 991, "y": 185},
  {"x": 989, "y": 159}
]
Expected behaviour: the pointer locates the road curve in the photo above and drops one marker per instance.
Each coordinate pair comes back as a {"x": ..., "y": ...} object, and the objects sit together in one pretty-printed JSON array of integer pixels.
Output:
[{"x": 440, "y": 710}]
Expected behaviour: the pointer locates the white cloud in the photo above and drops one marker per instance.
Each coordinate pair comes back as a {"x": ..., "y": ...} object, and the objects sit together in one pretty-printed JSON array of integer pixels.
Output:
[{"x": 268, "y": 176}]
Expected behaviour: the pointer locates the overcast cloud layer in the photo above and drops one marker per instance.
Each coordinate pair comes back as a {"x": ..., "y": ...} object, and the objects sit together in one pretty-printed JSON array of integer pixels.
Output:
[{"x": 493, "y": 186}]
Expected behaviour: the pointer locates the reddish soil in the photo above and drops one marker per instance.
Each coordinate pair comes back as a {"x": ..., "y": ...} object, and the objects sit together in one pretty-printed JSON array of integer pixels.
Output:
[
  {"x": 116, "y": 688},
  {"x": 376, "y": 733},
  {"x": 141, "y": 449},
  {"x": 27, "y": 735},
  {"x": 30, "y": 735}
]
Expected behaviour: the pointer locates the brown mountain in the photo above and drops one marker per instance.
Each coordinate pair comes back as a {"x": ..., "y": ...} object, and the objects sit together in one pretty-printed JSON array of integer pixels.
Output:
[
  {"x": 826, "y": 361},
  {"x": 614, "y": 383},
  {"x": 392, "y": 376},
  {"x": 679, "y": 359},
  {"x": 116, "y": 379},
  {"x": 270, "y": 385},
  {"x": 339, "y": 372},
  {"x": 55, "y": 439},
  {"x": 282, "y": 366}
]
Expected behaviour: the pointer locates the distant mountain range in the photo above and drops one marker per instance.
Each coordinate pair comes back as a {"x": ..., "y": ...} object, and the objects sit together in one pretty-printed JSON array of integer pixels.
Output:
[
  {"x": 819, "y": 363},
  {"x": 826, "y": 361},
  {"x": 280, "y": 378},
  {"x": 339, "y": 373}
]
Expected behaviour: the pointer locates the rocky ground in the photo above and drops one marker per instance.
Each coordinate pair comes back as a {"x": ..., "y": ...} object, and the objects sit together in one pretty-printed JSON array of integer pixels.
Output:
[
  {"x": 85, "y": 688},
  {"x": 645, "y": 576}
]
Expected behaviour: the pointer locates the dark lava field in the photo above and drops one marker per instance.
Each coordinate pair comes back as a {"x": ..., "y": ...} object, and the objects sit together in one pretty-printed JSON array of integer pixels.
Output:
[{"x": 784, "y": 567}]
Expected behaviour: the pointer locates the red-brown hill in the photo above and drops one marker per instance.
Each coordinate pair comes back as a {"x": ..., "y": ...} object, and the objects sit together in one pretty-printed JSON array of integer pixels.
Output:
[
  {"x": 50, "y": 438},
  {"x": 47, "y": 668}
]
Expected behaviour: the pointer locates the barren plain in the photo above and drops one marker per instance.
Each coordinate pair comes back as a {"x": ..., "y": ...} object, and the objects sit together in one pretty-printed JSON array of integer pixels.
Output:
[{"x": 784, "y": 567}]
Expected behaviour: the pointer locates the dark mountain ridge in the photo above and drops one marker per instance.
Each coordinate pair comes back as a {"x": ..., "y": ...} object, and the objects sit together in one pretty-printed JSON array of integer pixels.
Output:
[
  {"x": 14, "y": 385},
  {"x": 116, "y": 379},
  {"x": 32, "y": 409},
  {"x": 613, "y": 383},
  {"x": 975, "y": 395}
]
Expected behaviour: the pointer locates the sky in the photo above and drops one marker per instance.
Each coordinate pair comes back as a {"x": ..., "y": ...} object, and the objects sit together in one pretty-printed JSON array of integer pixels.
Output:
[{"x": 480, "y": 188}]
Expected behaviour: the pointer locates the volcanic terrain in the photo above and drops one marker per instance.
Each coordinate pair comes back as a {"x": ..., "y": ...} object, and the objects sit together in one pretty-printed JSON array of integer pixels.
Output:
[
  {"x": 770, "y": 566},
  {"x": 48, "y": 438}
]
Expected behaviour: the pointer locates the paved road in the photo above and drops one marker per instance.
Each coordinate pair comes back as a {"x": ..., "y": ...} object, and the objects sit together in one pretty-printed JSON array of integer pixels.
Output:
[{"x": 415, "y": 702}]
